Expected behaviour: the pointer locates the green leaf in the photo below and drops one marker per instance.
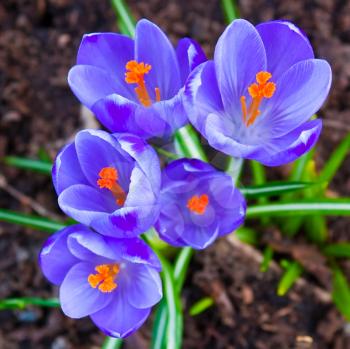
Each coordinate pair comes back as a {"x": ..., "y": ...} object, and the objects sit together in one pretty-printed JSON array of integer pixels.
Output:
[
  {"x": 340, "y": 250},
  {"x": 188, "y": 143},
  {"x": 303, "y": 207},
  {"x": 300, "y": 165},
  {"x": 247, "y": 235},
  {"x": 21, "y": 303},
  {"x": 316, "y": 229},
  {"x": 258, "y": 171},
  {"x": 173, "y": 303},
  {"x": 259, "y": 178},
  {"x": 285, "y": 263},
  {"x": 230, "y": 10},
  {"x": 234, "y": 168},
  {"x": 273, "y": 189},
  {"x": 334, "y": 162},
  {"x": 267, "y": 258},
  {"x": 112, "y": 343},
  {"x": 201, "y": 306},
  {"x": 292, "y": 226},
  {"x": 166, "y": 153},
  {"x": 341, "y": 292},
  {"x": 29, "y": 164},
  {"x": 315, "y": 226},
  {"x": 290, "y": 276},
  {"x": 181, "y": 265},
  {"x": 43, "y": 155},
  {"x": 159, "y": 326},
  {"x": 35, "y": 222},
  {"x": 161, "y": 316},
  {"x": 125, "y": 20}
]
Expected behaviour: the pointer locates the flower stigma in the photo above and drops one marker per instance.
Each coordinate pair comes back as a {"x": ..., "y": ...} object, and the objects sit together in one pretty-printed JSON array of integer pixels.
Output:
[
  {"x": 262, "y": 88},
  {"x": 136, "y": 75},
  {"x": 109, "y": 180},
  {"x": 104, "y": 279},
  {"x": 198, "y": 204}
]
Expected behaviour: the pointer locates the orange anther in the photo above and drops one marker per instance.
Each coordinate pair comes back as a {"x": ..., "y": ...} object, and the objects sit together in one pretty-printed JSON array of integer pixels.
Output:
[
  {"x": 136, "y": 75},
  {"x": 104, "y": 279},
  {"x": 269, "y": 90},
  {"x": 136, "y": 72},
  {"x": 109, "y": 180},
  {"x": 109, "y": 176},
  {"x": 263, "y": 88},
  {"x": 198, "y": 204},
  {"x": 263, "y": 77},
  {"x": 254, "y": 90}
]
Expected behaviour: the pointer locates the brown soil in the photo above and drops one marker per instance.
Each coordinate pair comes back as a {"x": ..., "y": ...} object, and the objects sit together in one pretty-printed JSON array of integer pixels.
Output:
[{"x": 38, "y": 44}]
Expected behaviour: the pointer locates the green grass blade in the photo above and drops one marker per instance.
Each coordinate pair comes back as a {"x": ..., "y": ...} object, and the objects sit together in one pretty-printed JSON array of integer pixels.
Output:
[
  {"x": 35, "y": 222},
  {"x": 267, "y": 258},
  {"x": 23, "y": 302},
  {"x": 166, "y": 153},
  {"x": 201, "y": 306},
  {"x": 159, "y": 326},
  {"x": 334, "y": 162},
  {"x": 29, "y": 164},
  {"x": 259, "y": 178},
  {"x": 112, "y": 343},
  {"x": 161, "y": 317},
  {"x": 341, "y": 292},
  {"x": 188, "y": 143},
  {"x": 330, "y": 207},
  {"x": 181, "y": 265},
  {"x": 340, "y": 250},
  {"x": 316, "y": 229},
  {"x": 258, "y": 171},
  {"x": 125, "y": 19},
  {"x": 247, "y": 235},
  {"x": 288, "y": 279},
  {"x": 273, "y": 189},
  {"x": 292, "y": 226},
  {"x": 230, "y": 10},
  {"x": 174, "y": 323},
  {"x": 300, "y": 165}
]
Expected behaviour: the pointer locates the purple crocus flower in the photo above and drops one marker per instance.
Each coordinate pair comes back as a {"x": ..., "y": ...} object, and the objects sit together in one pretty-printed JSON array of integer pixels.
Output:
[
  {"x": 109, "y": 182},
  {"x": 136, "y": 85},
  {"x": 114, "y": 281},
  {"x": 256, "y": 98},
  {"x": 198, "y": 204}
]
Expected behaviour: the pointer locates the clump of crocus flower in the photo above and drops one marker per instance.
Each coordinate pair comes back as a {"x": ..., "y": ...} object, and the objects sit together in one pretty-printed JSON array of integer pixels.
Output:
[
  {"x": 114, "y": 281},
  {"x": 199, "y": 204},
  {"x": 254, "y": 101},
  {"x": 256, "y": 98},
  {"x": 109, "y": 182},
  {"x": 135, "y": 85}
]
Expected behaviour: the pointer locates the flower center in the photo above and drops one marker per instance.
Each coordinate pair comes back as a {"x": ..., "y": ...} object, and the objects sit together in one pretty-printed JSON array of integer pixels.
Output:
[
  {"x": 198, "y": 204},
  {"x": 109, "y": 180},
  {"x": 263, "y": 88},
  {"x": 104, "y": 279},
  {"x": 136, "y": 75}
]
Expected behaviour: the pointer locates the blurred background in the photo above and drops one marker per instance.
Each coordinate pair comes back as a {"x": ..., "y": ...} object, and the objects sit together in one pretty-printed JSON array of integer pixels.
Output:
[{"x": 39, "y": 114}]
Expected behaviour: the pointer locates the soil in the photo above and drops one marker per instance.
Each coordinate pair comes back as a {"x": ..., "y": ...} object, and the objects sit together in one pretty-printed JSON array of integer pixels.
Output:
[{"x": 38, "y": 113}]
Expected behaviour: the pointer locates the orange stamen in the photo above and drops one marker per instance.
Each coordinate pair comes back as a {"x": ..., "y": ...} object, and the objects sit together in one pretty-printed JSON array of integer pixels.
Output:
[
  {"x": 136, "y": 75},
  {"x": 157, "y": 90},
  {"x": 104, "y": 279},
  {"x": 263, "y": 88},
  {"x": 109, "y": 180},
  {"x": 198, "y": 204}
]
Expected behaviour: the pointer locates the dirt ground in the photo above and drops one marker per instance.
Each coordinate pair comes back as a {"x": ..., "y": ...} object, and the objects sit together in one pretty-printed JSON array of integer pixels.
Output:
[{"x": 38, "y": 44}]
